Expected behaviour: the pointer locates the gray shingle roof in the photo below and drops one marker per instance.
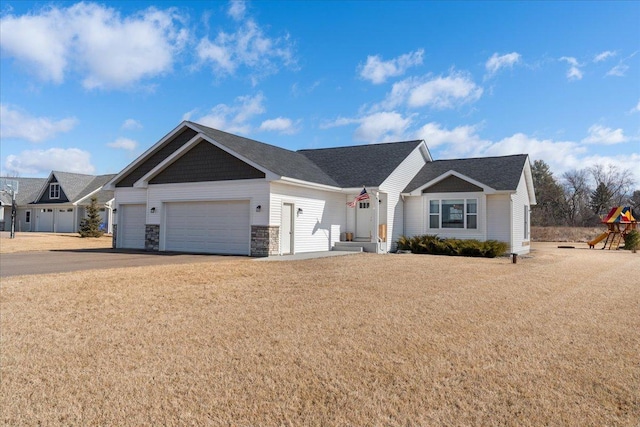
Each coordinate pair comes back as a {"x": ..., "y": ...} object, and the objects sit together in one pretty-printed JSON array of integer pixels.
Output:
[
  {"x": 360, "y": 165},
  {"x": 499, "y": 173},
  {"x": 98, "y": 181},
  {"x": 28, "y": 189},
  {"x": 278, "y": 160}
]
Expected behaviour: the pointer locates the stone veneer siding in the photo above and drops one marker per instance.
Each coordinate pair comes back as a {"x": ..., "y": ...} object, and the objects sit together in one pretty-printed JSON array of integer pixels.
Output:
[
  {"x": 114, "y": 235},
  {"x": 152, "y": 237},
  {"x": 265, "y": 240}
]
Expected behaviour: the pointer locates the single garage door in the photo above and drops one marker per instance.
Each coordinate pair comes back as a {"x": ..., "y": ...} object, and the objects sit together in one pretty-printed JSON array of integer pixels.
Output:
[
  {"x": 208, "y": 227},
  {"x": 45, "y": 220},
  {"x": 64, "y": 221},
  {"x": 131, "y": 227}
]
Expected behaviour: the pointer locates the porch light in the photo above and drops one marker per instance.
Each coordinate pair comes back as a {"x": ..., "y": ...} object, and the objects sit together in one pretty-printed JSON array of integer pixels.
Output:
[
  {"x": 258, "y": 208},
  {"x": 299, "y": 211},
  {"x": 115, "y": 210},
  {"x": 152, "y": 210}
]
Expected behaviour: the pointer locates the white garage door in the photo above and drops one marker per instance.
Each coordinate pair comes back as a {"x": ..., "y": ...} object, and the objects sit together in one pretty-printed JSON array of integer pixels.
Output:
[
  {"x": 208, "y": 227},
  {"x": 131, "y": 226},
  {"x": 64, "y": 221},
  {"x": 45, "y": 219}
]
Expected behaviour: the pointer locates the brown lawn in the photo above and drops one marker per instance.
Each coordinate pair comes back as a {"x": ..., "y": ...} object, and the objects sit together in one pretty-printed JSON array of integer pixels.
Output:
[
  {"x": 357, "y": 340},
  {"x": 26, "y": 242}
]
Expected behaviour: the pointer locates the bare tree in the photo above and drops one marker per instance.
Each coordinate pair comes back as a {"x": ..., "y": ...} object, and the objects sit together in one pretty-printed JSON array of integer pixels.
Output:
[
  {"x": 577, "y": 192},
  {"x": 618, "y": 182}
]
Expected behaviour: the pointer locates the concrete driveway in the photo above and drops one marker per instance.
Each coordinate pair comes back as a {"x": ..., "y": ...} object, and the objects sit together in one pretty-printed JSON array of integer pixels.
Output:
[{"x": 60, "y": 261}]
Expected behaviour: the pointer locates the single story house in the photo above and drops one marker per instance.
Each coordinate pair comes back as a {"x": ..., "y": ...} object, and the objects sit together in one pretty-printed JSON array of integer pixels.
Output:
[
  {"x": 57, "y": 203},
  {"x": 199, "y": 189}
]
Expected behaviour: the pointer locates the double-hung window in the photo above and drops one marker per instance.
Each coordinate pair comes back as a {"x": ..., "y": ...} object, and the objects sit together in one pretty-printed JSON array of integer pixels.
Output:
[
  {"x": 453, "y": 213},
  {"x": 54, "y": 190}
]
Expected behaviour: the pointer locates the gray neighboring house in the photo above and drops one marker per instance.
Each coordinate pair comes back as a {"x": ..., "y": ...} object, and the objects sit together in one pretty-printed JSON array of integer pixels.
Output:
[
  {"x": 57, "y": 203},
  {"x": 200, "y": 189}
]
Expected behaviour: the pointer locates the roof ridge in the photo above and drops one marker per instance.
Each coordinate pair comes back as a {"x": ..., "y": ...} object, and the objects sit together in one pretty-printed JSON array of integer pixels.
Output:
[
  {"x": 361, "y": 145},
  {"x": 481, "y": 157}
]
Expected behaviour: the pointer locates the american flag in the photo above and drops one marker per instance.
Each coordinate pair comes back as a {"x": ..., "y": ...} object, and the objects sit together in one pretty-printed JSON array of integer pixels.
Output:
[{"x": 362, "y": 196}]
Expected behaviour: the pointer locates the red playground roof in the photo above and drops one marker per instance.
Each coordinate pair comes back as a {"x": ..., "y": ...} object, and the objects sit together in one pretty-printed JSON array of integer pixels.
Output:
[{"x": 621, "y": 214}]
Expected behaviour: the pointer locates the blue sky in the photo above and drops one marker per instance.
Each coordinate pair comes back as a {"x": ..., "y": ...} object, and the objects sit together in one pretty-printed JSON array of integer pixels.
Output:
[{"x": 88, "y": 87}]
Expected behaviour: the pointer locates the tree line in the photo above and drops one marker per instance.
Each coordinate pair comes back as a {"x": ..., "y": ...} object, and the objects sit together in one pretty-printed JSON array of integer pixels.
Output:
[{"x": 581, "y": 197}]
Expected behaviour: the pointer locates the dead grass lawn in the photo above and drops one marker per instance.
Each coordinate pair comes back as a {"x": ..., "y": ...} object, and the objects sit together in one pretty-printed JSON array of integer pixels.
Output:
[
  {"x": 358, "y": 340},
  {"x": 27, "y": 242}
]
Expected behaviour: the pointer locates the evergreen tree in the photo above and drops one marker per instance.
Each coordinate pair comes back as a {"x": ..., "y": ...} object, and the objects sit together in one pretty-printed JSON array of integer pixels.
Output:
[
  {"x": 90, "y": 226},
  {"x": 601, "y": 199},
  {"x": 550, "y": 207}
]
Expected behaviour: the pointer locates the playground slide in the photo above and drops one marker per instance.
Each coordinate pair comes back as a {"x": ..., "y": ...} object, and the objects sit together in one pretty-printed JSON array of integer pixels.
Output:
[{"x": 598, "y": 239}]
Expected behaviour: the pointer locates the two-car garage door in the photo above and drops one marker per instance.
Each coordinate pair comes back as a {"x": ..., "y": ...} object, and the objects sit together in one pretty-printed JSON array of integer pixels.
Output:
[{"x": 210, "y": 227}]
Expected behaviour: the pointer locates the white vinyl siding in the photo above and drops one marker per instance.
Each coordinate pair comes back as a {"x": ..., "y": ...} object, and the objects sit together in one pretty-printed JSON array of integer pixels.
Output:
[
  {"x": 208, "y": 227},
  {"x": 498, "y": 217},
  {"x": 520, "y": 201},
  {"x": 321, "y": 221},
  {"x": 393, "y": 186},
  {"x": 256, "y": 191},
  {"x": 413, "y": 216}
]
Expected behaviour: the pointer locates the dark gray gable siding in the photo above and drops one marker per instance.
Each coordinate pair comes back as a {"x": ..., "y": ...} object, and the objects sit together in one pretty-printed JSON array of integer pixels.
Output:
[
  {"x": 278, "y": 160},
  {"x": 499, "y": 173},
  {"x": 45, "y": 194},
  {"x": 156, "y": 158},
  {"x": 206, "y": 162},
  {"x": 362, "y": 164},
  {"x": 452, "y": 184}
]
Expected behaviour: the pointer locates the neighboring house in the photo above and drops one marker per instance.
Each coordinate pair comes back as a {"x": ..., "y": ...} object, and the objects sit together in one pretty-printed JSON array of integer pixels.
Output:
[
  {"x": 58, "y": 203},
  {"x": 203, "y": 190}
]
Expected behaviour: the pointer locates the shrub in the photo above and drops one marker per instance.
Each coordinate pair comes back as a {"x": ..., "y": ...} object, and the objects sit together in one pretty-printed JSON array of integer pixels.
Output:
[
  {"x": 434, "y": 245},
  {"x": 632, "y": 240}
]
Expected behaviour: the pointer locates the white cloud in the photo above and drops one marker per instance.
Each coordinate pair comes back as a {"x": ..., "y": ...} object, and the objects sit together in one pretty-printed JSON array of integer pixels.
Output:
[
  {"x": 232, "y": 118},
  {"x": 131, "y": 124},
  {"x": 574, "y": 72},
  {"x": 495, "y": 63},
  {"x": 280, "y": 124},
  {"x": 603, "y": 135},
  {"x": 237, "y": 9},
  {"x": 96, "y": 42},
  {"x": 465, "y": 136},
  {"x": 18, "y": 124},
  {"x": 604, "y": 56},
  {"x": 618, "y": 71},
  {"x": 376, "y": 127},
  {"x": 378, "y": 71},
  {"x": 123, "y": 144},
  {"x": 247, "y": 47},
  {"x": 445, "y": 92},
  {"x": 33, "y": 162},
  {"x": 636, "y": 109}
]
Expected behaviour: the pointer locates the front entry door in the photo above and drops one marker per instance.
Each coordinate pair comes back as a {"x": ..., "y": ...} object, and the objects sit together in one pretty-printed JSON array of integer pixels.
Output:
[
  {"x": 363, "y": 220},
  {"x": 286, "y": 229}
]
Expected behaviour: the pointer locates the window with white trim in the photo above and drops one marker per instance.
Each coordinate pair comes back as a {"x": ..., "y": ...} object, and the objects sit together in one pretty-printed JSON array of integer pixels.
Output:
[
  {"x": 27, "y": 217},
  {"x": 453, "y": 213},
  {"x": 54, "y": 190}
]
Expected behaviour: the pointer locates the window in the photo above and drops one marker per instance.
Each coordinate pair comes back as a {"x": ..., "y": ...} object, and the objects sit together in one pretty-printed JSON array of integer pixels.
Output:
[
  {"x": 54, "y": 190},
  {"x": 434, "y": 213},
  {"x": 472, "y": 213},
  {"x": 27, "y": 217},
  {"x": 526, "y": 222},
  {"x": 454, "y": 213}
]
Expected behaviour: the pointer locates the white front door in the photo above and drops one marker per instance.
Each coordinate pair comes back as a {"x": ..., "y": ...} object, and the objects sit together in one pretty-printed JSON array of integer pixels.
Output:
[
  {"x": 363, "y": 220},
  {"x": 286, "y": 229}
]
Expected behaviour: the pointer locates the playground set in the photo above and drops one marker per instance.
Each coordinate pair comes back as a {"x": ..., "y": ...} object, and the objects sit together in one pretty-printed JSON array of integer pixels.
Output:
[{"x": 620, "y": 222}]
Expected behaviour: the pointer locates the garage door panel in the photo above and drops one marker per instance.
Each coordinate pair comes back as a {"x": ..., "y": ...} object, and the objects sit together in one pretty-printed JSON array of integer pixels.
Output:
[
  {"x": 132, "y": 226},
  {"x": 209, "y": 227}
]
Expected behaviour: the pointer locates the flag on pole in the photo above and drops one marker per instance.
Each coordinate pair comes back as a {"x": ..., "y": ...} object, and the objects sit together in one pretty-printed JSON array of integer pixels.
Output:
[{"x": 362, "y": 196}]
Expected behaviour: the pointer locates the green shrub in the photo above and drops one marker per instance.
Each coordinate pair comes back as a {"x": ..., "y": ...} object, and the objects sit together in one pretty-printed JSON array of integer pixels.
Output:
[
  {"x": 434, "y": 245},
  {"x": 632, "y": 240}
]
